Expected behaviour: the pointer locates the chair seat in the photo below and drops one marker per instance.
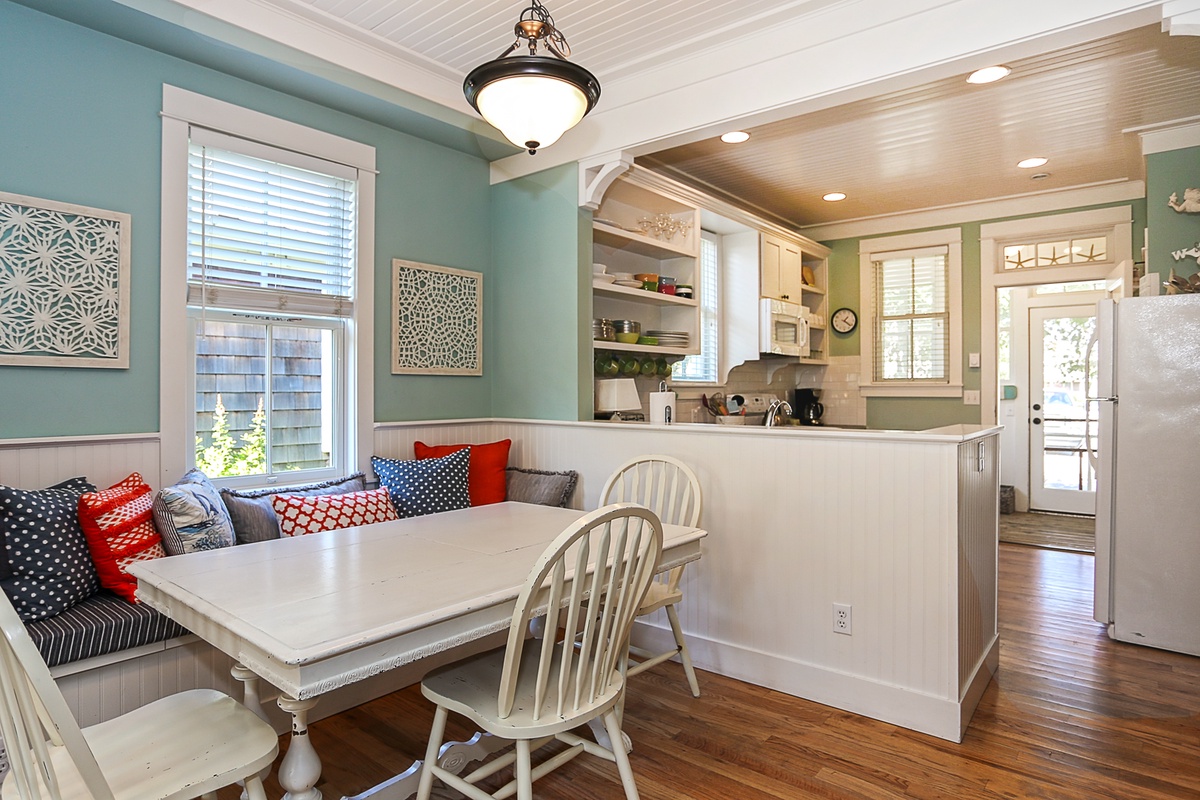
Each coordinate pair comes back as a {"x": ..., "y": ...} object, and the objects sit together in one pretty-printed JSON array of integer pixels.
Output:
[
  {"x": 181, "y": 746},
  {"x": 471, "y": 688},
  {"x": 657, "y": 597}
]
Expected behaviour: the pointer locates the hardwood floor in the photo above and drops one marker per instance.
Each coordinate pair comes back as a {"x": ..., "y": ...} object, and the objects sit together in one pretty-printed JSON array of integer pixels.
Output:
[
  {"x": 1057, "y": 531},
  {"x": 1071, "y": 715}
]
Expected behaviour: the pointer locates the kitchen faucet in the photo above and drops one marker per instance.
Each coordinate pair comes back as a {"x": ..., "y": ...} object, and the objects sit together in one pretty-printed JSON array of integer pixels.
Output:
[{"x": 773, "y": 409}]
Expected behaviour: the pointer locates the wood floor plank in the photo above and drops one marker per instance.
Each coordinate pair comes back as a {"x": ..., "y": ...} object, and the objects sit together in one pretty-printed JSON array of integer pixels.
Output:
[{"x": 1071, "y": 715}]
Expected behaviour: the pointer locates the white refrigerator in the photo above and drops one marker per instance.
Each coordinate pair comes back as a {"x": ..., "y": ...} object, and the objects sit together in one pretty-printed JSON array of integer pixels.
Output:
[{"x": 1148, "y": 485}]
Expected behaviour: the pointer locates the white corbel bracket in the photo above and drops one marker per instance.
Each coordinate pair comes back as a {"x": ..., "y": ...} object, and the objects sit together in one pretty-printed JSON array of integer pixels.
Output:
[
  {"x": 1181, "y": 17},
  {"x": 597, "y": 174}
]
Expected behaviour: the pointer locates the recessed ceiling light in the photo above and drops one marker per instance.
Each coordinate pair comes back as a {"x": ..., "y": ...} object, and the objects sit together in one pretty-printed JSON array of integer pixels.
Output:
[
  {"x": 735, "y": 137},
  {"x": 1030, "y": 163},
  {"x": 833, "y": 197},
  {"x": 988, "y": 74}
]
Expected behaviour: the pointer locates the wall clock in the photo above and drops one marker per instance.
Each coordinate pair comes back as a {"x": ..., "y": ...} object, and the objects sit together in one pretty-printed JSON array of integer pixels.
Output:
[{"x": 844, "y": 320}]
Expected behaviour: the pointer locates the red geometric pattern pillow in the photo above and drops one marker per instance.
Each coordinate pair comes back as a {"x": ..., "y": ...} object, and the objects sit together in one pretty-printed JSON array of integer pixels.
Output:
[
  {"x": 118, "y": 524},
  {"x": 301, "y": 514}
]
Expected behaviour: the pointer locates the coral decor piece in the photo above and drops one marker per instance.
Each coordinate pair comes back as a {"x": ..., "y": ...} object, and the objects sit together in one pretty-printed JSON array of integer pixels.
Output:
[
  {"x": 437, "y": 320},
  {"x": 64, "y": 284},
  {"x": 1190, "y": 204}
]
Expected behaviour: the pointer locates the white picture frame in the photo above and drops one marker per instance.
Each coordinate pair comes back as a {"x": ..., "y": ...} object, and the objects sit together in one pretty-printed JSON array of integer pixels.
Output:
[
  {"x": 64, "y": 284},
  {"x": 437, "y": 320}
]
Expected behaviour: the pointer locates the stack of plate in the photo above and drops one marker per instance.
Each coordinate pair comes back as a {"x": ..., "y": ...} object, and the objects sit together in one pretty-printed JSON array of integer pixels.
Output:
[
  {"x": 602, "y": 330},
  {"x": 670, "y": 338}
]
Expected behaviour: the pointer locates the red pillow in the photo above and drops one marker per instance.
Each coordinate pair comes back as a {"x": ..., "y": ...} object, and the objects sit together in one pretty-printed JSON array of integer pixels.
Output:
[
  {"x": 300, "y": 514},
  {"x": 119, "y": 526},
  {"x": 485, "y": 475}
]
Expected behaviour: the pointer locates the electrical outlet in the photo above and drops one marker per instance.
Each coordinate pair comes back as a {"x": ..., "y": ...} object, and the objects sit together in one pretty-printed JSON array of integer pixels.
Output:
[{"x": 843, "y": 618}]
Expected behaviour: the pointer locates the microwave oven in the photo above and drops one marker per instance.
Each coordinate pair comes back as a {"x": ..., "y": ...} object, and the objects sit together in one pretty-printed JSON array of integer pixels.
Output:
[{"x": 783, "y": 328}]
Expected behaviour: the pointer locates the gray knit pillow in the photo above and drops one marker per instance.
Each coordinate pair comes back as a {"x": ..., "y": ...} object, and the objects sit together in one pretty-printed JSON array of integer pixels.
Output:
[{"x": 540, "y": 487}]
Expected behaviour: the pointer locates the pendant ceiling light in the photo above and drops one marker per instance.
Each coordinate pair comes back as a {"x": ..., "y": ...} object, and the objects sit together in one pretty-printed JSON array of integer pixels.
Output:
[{"x": 533, "y": 99}]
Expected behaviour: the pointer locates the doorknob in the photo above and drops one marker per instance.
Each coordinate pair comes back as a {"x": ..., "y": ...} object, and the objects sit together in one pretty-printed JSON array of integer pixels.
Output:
[{"x": 1037, "y": 421}]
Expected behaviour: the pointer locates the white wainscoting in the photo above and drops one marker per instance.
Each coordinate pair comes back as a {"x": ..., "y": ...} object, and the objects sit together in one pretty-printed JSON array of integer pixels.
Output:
[
  {"x": 796, "y": 523},
  {"x": 104, "y": 460}
]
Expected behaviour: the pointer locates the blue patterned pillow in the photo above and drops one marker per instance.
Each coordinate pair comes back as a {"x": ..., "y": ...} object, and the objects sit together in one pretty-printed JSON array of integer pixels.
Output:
[
  {"x": 426, "y": 486},
  {"x": 191, "y": 517},
  {"x": 49, "y": 566}
]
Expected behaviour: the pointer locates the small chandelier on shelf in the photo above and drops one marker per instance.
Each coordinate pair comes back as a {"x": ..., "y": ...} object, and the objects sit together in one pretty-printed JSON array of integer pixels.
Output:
[{"x": 533, "y": 99}]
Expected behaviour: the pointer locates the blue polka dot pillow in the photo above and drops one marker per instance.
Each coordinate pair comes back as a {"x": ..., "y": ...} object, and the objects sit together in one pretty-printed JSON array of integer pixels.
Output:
[
  {"x": 46, "y": 567},
  {"x": 426, "y": 486}
]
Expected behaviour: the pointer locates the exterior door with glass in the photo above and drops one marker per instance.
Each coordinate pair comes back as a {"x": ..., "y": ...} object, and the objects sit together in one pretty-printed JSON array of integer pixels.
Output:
[{"x": 1062, "y": 434}]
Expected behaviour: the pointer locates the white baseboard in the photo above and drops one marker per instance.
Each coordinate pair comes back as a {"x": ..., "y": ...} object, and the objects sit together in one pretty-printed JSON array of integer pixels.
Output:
[{"x": 941, "y": 717}]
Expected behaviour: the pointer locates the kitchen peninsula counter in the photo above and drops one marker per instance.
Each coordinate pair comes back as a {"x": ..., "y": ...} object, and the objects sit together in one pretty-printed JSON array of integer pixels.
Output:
[{"x": 899, "y": 525}]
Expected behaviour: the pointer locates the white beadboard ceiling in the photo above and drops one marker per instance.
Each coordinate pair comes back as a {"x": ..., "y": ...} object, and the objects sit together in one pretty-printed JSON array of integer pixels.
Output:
[
  {"x": 950, "y": 142},
  {"x": 861, "y": 96}
]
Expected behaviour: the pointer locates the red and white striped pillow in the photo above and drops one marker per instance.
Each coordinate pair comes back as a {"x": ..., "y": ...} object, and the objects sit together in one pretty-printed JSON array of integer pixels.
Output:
[
  {"x": 301, "y": 514},
  {"x": 119, "y": 528}
]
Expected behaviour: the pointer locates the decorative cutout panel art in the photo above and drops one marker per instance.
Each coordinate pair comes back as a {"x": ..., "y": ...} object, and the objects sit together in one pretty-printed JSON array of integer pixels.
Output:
[
  {"x": 64, "y": 284},
  {"x": 437, "y": 320}
]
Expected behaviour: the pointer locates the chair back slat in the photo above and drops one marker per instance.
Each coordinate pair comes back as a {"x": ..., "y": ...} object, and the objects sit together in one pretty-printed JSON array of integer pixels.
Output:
[
  {"x": 35, "y": 719},
  {"x": 661, "y": 483},
  {"x": 621, "y": 545}
]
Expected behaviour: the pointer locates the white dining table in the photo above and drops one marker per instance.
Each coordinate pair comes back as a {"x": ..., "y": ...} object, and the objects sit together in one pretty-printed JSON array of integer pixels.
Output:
[{"x": 310, "y": 614}]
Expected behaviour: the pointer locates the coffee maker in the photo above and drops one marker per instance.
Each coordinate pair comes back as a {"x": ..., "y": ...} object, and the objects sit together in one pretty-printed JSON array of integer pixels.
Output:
[{"x": 806, "y": 407}]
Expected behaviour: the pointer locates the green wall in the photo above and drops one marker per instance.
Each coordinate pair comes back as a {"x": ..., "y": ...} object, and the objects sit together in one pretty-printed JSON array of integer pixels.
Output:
[
  {"x": 921, "y": 413},
  {"x": 541, "y": 246},
  {"x": 79, "y": 124},
  {"x": 1166, "y": 174}
]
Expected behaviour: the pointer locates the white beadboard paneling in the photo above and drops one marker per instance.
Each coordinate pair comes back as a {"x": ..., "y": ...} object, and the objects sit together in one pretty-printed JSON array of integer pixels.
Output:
[
  {"x": 104, "y": 460},
  {"x": 796, "y": 523}
]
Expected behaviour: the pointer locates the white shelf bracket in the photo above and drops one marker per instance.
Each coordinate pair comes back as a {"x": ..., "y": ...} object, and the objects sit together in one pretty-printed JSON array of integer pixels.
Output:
[{"x": 597, "y": 174}]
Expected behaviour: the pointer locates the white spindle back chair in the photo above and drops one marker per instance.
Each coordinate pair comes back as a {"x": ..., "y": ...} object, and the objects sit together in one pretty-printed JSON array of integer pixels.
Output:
[
  {"x": 182, "y": 746},
  {"x": 535, "y": 690},
  {"x": 670, "y": 489}
]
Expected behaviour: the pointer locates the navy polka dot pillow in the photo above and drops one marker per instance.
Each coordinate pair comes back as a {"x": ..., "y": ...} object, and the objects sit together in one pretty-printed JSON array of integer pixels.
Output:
[
  {"x": 49, "y": 568},
  {"x": 426, "y": 486}
]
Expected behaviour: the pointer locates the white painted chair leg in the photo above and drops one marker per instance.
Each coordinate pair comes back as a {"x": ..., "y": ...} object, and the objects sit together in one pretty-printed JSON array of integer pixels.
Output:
[
  {"x": 425, "y": 786},
  {"x": 684, "y": 655},
  {"x": 254, "y": 788},
  {"x": 619, "y": 755},
  {"x": 524, "y": 771}
]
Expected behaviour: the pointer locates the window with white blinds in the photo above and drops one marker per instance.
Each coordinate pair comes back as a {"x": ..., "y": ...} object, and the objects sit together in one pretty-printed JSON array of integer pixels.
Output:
[
  {"x": 912, "y": 322},
  {"x": 702, "y": 368},
  {"x": 268, "y": 230}
]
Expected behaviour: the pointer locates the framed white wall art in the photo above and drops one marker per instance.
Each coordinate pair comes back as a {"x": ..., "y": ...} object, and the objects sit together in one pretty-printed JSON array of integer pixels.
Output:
[
  {"x": 437, "y": 320},
  {"x": 64, "y": 284}
]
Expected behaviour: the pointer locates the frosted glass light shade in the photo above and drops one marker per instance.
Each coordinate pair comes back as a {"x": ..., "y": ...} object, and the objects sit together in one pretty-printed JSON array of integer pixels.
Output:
[
  {"x": 532, "y": 112},
  {"x": 532, "y": 100}
]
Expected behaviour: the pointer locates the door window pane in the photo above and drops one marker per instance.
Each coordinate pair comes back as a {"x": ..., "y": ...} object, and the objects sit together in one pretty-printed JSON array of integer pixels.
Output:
[{"x": 1066, "y": 444}]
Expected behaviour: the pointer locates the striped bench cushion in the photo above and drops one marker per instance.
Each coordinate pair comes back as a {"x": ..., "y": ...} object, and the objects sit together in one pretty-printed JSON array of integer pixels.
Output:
[{"x": 100, "y": 624}]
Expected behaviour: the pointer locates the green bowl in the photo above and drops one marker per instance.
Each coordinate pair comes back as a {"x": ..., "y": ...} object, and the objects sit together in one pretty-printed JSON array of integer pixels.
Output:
[
  {"x": 628, "y": 338},
  {"x": 648, "y": 340}
]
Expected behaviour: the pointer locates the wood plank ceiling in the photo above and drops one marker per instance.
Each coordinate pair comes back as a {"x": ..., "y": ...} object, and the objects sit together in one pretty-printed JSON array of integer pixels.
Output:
[{"x": 933, "y": 145}]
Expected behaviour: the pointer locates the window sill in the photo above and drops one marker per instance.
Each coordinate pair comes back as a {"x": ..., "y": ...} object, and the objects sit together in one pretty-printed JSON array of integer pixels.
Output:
[{"x": 910, "y": 390}]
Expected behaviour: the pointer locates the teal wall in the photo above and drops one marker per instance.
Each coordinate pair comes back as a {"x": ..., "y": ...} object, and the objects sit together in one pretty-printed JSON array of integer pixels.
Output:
[
  {"x": 79, "y": 124},
  {"x": 921, "y": 413},
  {"x": 541, "y": 245},
  {"x": 1166, "y": 174}
]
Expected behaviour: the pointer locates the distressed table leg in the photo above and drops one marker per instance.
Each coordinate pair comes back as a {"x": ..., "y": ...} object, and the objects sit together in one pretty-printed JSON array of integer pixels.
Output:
[
  {"x": 454, "y": 757},
  {"x": 301, "y": 767}
]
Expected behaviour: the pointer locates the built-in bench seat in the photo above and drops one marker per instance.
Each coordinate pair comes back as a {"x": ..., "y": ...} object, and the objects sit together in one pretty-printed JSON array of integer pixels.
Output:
[{"x": 98, "y": 625}]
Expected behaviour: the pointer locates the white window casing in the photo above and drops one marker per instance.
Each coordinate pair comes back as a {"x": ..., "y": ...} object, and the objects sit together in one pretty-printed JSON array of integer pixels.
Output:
[
  {"x": 922, "y": 250},
  {"x": 189, "y": 117}
]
